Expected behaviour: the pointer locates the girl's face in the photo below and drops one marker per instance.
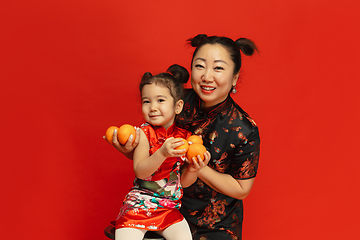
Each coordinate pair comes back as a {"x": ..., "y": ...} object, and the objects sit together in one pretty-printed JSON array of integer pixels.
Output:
[
  {"x": 212, "y": 74},
  {"x": 158, "y": 105}
]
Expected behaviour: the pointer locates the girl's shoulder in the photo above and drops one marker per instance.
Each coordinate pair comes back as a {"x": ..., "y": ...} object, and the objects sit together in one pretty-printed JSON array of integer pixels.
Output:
[{"x": 147, "y": 129}]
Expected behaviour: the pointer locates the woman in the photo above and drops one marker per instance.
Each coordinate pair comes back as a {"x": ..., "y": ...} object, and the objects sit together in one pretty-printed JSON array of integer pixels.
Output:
[{"x": 213, "y": 204}]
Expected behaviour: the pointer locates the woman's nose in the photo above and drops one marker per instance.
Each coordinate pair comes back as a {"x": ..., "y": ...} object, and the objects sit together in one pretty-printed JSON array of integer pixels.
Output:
[{"x": 207, "y": 77}]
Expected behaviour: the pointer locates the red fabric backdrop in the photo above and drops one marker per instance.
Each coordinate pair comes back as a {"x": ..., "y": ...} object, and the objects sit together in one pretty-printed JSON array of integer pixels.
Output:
[{"x": 70, "y": 69}]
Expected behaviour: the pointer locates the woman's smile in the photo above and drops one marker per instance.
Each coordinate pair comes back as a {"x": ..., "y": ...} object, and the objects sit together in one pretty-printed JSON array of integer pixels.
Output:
[{"x": 207, "y": 89}]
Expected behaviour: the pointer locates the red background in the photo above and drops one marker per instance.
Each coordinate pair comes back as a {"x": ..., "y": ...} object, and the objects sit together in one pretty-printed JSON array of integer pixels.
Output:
[{"x": 70, "y": 69}]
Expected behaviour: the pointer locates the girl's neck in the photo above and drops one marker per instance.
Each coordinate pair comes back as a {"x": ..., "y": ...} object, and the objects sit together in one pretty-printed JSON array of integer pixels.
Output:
[{"x": 166, "y": 126}]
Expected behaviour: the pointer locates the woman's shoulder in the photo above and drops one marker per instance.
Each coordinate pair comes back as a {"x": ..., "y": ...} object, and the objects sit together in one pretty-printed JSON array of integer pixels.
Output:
[
  {"x": 188, "y": 90},
  {"x": 189, "y": 94},
  {"x": 239, "y": 117},
  {"x": 191, "y": 102}
]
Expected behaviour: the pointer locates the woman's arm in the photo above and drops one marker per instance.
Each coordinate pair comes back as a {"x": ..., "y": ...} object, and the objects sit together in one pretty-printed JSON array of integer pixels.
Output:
[
  {"x": 144, "y": 164},
  {"x": 244, "y": 163},
  {"x": 225, "y": 183}
]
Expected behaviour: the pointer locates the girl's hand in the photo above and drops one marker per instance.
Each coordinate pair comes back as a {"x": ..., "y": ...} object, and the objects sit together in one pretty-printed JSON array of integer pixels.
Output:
[
  {"x": 168, "y": 149},
  {"x": 195, "y": 166},
  {"x": 129, "y": 146}
]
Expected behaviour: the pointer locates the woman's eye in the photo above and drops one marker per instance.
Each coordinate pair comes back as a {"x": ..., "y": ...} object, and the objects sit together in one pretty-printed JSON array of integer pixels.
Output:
[
  {"x": 219, "y": 68},
  {"x": 199, "y": 66}
]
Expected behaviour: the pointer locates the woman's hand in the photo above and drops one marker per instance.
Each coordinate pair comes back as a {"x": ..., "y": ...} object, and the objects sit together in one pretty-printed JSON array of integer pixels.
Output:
[
  {"x": 130, "y": 145},
  {"x": 191, "y": 169},
  {"x": 195, "y": 166}
]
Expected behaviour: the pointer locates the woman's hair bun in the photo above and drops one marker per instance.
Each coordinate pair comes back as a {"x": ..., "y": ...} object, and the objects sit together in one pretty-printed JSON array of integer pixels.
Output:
[
  {"x": 247, "y": 46},
  {"x": 180, "y": 73},
  {"x": 195, "y": 41}
]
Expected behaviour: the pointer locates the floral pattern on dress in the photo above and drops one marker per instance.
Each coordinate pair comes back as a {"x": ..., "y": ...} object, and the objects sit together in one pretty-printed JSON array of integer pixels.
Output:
[
  {"x": 212, "y": 212},
  {"x": 159, "y": 195}
]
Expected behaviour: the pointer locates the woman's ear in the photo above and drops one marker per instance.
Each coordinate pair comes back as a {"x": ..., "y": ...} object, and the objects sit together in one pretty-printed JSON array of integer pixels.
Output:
[
  {"x": 179, "y": 106},
  {"x": 235, "y": 78}
]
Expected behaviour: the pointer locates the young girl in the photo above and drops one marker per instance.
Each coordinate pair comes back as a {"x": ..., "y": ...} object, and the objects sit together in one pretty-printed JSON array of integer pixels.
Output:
[{"x": 153, "y": 203}]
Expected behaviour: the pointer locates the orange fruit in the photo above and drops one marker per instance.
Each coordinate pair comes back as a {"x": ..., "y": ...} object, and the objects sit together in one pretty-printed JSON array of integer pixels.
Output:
[
  {"x": 110, "y": 133},
  {"x": 194, "y": 139},
  {"x": 194, "y": 150},
  {"x": 124, "y": 133},
  {"x": 184, "y": 146}
]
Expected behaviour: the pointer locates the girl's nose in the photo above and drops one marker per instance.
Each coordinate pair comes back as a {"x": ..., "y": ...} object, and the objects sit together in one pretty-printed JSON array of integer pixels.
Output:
[{"x": 152, "y": 108}]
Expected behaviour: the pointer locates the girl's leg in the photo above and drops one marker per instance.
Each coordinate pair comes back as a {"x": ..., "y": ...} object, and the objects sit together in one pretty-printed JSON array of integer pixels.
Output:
[
  {"x": 129, "y": 233},
  {"x": 177, "y": 231}
]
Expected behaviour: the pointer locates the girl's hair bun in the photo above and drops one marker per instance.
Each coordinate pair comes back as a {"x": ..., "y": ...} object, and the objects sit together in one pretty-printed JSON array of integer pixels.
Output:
[
  {"x": 180, "y": 73},
  {"x": 173, "y": 79},
  {"x": 146, "y": 76}
]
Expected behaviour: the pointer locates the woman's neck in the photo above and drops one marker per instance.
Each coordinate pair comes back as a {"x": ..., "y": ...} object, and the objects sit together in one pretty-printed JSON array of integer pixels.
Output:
[{"x": 207, "y": 109}]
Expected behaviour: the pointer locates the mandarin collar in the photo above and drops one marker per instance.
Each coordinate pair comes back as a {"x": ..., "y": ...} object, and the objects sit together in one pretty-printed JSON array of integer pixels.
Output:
[
  {"x": 214, "y": 110},
  {"x": 162, "y": 132}
]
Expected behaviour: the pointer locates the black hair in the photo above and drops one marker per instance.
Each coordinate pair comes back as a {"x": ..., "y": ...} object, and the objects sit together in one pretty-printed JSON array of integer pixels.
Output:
[
  {"x": 246, "y": 46},
  {"x": 174, "y": 79}
]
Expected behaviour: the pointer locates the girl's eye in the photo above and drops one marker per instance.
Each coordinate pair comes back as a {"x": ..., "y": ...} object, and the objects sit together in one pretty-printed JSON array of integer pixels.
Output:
[
  {"x": 161, "y": 100},
  {"x": 146, "y": 101}
]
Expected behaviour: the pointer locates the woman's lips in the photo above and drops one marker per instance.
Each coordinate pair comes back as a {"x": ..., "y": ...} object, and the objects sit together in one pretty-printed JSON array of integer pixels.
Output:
[{"x": 207, "y": 89}]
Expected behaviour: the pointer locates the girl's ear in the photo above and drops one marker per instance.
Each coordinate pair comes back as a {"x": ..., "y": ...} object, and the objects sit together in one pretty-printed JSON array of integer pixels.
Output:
[{"x": 179, "y": 106}]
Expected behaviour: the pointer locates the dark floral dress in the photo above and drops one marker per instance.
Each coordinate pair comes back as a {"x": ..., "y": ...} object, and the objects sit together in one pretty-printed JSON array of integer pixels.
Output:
[{"x": 232, "y": 138}]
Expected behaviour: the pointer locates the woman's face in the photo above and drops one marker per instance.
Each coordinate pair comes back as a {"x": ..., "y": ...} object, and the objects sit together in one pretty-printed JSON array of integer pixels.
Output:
[{"x": 212, "y": 74}]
